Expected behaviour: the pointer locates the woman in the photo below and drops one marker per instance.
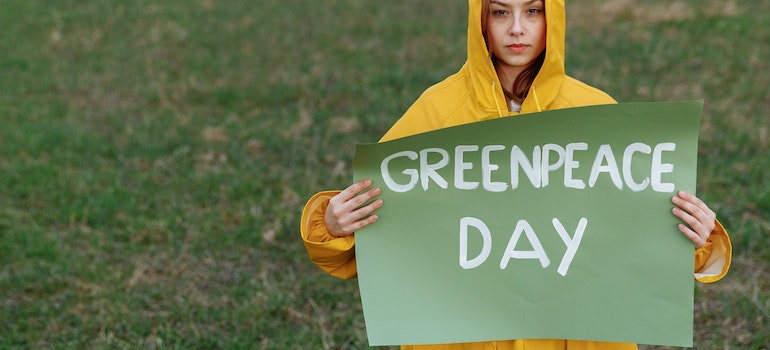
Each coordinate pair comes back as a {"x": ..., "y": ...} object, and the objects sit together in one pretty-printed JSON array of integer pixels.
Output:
[{"x": 515, "y": 65}]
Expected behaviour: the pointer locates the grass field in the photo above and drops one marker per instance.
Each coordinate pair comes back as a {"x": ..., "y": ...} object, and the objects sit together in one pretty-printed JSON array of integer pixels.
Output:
[{"x": 155, "y": 156}]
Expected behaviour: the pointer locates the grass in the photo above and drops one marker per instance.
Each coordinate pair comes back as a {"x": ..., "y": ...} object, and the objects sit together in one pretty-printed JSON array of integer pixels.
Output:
[{"x": 156, "y": 156}]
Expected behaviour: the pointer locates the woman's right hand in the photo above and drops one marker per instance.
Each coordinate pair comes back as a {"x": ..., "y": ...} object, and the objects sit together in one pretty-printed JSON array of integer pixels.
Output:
[{"x": 344, "y": 215}]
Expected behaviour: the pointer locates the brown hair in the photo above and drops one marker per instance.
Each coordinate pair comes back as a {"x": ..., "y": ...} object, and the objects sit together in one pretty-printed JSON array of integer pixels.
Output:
[{"x": 524, "y": 81}]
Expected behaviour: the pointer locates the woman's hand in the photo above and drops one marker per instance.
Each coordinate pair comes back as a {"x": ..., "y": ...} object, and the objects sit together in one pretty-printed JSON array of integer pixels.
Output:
[
  {"x": 343, "y": 215},
  {"x": 698, "y": 217}
]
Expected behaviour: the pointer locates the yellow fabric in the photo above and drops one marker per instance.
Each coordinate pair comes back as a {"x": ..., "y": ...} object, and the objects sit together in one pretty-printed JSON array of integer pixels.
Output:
[
  {"x": 713, "y": 260},
  {"x": 532, "y": 344},
  {"x": 474, "y": 94},
  {"x": 335, "y": 255}
]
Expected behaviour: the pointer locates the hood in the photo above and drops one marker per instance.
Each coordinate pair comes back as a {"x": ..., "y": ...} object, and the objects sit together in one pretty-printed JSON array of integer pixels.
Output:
[{"x": 547, "y": 84}]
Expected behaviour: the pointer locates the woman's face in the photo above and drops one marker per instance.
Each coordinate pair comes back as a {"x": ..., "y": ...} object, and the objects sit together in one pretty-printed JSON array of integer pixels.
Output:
[{"x": 515, "y": 33}]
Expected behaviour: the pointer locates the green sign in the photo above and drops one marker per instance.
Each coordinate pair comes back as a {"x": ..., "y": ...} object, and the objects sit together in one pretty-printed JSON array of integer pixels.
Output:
[{"x": 548, "y": 225}]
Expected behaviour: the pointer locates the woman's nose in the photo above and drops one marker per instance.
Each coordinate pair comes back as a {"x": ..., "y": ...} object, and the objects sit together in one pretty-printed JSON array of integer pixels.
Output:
[{"x": 516, "y": 27}]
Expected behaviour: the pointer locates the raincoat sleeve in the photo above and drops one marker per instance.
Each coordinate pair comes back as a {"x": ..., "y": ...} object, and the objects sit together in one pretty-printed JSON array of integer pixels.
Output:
[
  {"x": 335, "y": 255},
  {"x": 712, "y": 261}
]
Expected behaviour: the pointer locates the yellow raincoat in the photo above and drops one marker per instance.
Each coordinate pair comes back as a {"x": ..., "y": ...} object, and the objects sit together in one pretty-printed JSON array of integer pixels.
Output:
[{"x": 474, "y": 94}]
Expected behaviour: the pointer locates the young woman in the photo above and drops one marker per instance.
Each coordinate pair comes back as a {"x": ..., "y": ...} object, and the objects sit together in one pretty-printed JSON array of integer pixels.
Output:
[{"x": 515, "y": 65}]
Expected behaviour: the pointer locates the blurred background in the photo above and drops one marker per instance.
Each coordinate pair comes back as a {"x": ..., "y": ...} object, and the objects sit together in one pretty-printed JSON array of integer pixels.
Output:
[{"x": 155, "y": 156}]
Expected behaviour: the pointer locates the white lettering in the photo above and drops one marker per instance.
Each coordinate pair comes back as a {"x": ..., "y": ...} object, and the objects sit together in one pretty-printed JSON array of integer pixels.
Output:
[
  {"x": 412, "y": 173},
  {"x": 519, "y": 159},
  {"x": 605, "y": 153},
  {"x": 627, "y": 159},
  {"x": 570, "y": 164},
  {"x": 659, "y": 168},
  {"x": 537, "y": 251},
  {"x": 572, "y": 243},
  {"x": 428, "y": 171},
  {"x": 485, "y": 236},
  {"x": 461, "y": 166},
  {"x": 545, "y": 160},
  {"x": 487, "y": 168},
  {"x": 546, "y": 165}
]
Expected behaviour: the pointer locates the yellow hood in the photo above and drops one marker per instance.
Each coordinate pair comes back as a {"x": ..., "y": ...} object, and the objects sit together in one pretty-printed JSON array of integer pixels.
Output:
[
  {"x": 474, "y": 93},
  {"x": 548, "y": 82}
]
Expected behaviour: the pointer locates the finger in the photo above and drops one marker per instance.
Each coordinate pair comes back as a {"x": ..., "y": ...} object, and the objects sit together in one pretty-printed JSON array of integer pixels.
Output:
[
  {"x": 349, "y": 228},
  {"x": 349, "y": 204},
  {"x": 362, "y": 198},
  {"x": 697, "y": 202},
  {"x": 686, "y": 217},
  {"x": 699, "y": 210},
  {"x": 696, "y": 209},
  {"x": 343, "y": 220},
  {"x": 340, "y": 204},
  {"x": 700, "y": 227},
  {"x": 358, "y": 225},
  {"x": 351, "y": 220},
  {"x": 353, "y": 190},
  {"x": 695, "y": 230},
  {"x": 696, "y": 239},
  {"x": 367, "y": 210}
]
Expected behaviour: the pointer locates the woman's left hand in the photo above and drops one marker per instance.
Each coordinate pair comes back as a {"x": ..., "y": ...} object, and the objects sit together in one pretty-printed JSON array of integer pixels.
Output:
[{"x": 698, "y": 217}]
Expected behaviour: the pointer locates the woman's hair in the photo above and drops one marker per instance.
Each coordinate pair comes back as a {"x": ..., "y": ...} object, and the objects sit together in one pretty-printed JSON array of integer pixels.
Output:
[{"x": 524, "y": 81}]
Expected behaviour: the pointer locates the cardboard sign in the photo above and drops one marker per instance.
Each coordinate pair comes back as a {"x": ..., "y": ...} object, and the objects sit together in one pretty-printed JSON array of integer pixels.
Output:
[{"x": 548, "y": 225}]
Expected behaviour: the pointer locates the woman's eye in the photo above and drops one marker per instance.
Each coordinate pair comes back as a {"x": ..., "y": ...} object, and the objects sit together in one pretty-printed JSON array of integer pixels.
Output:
[
  {"x": 499, "y": 12},
  {"x": 534, "y": 11}
]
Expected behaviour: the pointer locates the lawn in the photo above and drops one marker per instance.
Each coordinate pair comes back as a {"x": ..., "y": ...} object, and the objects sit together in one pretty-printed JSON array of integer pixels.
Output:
[{"x": 155, "y": 156}]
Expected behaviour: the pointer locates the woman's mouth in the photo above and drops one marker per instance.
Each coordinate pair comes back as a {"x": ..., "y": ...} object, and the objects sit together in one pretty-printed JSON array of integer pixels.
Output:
[{"x": 517, "y": 48}]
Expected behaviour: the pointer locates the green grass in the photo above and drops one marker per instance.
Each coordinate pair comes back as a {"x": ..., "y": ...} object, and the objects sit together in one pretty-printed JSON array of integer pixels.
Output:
[{"x": 155, "y": 157}]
